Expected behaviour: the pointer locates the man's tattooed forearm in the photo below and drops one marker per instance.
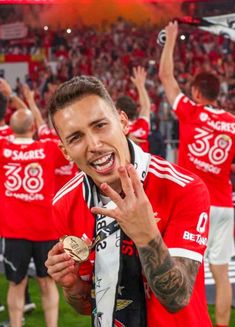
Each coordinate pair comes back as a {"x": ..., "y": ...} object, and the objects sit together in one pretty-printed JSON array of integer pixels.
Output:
[{"x": 171, "y": 279}]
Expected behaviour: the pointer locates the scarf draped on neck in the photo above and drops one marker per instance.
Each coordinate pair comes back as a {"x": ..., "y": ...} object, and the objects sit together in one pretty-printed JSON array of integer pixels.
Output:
[{"x": 118, "y": 291}]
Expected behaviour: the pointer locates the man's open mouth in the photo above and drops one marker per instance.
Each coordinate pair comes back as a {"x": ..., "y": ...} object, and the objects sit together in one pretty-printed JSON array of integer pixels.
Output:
[{"x": 103, "y": 164}]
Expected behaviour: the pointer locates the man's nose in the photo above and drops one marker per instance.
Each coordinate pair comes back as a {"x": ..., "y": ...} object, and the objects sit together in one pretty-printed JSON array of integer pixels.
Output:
[{"x": 94, "y": 142}]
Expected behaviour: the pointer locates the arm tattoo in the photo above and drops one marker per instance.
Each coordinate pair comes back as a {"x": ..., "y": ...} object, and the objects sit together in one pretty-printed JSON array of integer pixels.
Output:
[
  {"x": 81, "y": 303},
  {"x": 171, "y": 279}
]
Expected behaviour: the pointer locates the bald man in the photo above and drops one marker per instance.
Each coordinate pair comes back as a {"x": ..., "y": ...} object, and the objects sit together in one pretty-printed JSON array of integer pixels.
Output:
[
  {"x": 26, "y": 191},
  {"x": 22, "y": 123}
]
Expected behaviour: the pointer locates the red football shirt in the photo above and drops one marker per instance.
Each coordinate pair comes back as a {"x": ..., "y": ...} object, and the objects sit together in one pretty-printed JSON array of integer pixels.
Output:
[
  {"x": 139, "y": 128},
  {"x": 27, "y": 188},
  {"x": 207, "y": 146},
  {"x": 66, "y": 170},
  {"x": 6, "y": 132},
  {"x": 184, "y": 228}
]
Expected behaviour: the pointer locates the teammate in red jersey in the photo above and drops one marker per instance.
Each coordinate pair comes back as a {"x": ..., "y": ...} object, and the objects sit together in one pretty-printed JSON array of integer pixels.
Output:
[
  {"x": 6, "y": 96},
  {"x": 158, "y": 233},
  {"x": 207, "y": 147},
  {"x": 26, "y": 191},
  {"x": 139, "y": 121}
]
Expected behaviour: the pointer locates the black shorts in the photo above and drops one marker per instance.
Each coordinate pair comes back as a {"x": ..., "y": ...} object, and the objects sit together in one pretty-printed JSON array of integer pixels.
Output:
[{"x": 17, "y": 254}]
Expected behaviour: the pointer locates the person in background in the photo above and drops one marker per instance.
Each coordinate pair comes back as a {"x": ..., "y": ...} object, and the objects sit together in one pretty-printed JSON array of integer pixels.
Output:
[
  {"x": 145, "y": 269},
  {"x": 6, "y": 96},
  {"x": 139, "y": 119},
  {"x": 26, "y": 191},
  {"x": 207, "y": 148}
]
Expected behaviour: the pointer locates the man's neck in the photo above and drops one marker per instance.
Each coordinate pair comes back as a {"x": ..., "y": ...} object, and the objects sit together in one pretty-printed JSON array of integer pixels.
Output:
[
  {"x": 2, "y": 122},
  {"x": 206, "y": 102},
  {"x": 23, "y": 136}
]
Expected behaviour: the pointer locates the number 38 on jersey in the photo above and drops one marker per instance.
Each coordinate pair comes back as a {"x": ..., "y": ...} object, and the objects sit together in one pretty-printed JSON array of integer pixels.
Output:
[
  {"x": 216, "y": 148},
  {"x": 29, "y": 177}
]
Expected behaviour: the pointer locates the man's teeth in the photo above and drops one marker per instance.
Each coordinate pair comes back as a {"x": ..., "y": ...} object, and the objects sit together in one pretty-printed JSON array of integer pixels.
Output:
[{"x": 103, "y": 163}]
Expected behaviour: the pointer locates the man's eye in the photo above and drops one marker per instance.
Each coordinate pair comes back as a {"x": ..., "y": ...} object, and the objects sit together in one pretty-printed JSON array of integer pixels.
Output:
[
  {"x": 74, "y": 139},
  {"x": 100, "y": 125}
]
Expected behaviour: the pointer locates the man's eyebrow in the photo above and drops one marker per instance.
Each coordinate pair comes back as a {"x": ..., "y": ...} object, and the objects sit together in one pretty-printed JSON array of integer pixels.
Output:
[{"x": 94, "y": 122}]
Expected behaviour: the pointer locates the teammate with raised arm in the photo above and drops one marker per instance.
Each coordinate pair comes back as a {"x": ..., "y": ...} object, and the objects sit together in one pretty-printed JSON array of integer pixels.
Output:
[
  {"x": 6, "y": 96},
  {"x": 139, "y": 118},
  {"x": 206, "y": 147},
  {"x": 134, "y": 212}
]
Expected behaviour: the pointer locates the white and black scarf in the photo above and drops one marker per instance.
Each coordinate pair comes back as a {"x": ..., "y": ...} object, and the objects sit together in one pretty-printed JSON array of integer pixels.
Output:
[{"x": 117, "y": 282}]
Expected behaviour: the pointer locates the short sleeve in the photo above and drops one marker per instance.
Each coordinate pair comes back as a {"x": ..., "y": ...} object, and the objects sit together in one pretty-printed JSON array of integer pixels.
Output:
[
  {"x": 187, "y": 231},
  {"x": 184, "y": 107}
]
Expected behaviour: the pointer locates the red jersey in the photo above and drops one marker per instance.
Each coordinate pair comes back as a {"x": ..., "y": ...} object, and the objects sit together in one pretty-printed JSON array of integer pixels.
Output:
[
  {"x": 184, "y": 228},
  {"x": 27, "y": 188},
  {"x": 6, "y": 132},
  {"x": 67, "y": 169},
  {"x": 139, "y": 128},
  {"x": 207, "y": 146}
]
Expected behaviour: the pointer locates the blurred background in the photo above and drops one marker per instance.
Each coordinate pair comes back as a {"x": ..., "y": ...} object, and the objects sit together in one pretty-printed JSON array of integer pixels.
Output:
[{"x": 44, "y": 43}]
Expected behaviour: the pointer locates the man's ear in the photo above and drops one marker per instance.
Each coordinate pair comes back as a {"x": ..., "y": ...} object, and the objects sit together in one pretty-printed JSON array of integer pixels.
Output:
[
  {"x": 197, "y": 94},
  {"x": 124, "y": 122},
  {"x": 63, "y": 150}
]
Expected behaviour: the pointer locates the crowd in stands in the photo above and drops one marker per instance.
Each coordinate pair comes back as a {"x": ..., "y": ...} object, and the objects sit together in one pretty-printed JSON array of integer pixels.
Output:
[{"x": 112, "y": 53}]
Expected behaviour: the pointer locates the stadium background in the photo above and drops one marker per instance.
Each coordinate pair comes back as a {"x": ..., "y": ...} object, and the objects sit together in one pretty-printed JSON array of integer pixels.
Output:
[{"x": 40, "y": 39}]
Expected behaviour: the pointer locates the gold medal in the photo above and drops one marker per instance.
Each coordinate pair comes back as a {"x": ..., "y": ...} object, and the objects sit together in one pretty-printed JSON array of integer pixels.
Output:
[{"x": 76, "y": 248}]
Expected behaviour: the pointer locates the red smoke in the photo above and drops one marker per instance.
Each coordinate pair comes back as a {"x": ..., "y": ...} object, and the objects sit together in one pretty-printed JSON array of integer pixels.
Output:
[{"x": 66, "y": 13}]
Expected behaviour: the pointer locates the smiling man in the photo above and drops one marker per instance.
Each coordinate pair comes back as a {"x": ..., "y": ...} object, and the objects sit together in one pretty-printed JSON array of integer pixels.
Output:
[
  {"x": 97, "y": 132},
  {"x": 134, "y": 213}
]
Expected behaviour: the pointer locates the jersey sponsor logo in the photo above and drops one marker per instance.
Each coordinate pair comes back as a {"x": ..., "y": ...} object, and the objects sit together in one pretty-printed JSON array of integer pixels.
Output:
[
  {"x": 205, "y": 166},
  {"x": 25, "y": 196},
  {"x": 24, "y": 155},
  {"x": 201, "y": 228},
  {"x": 195, "y": 238},
  {"x": 221, "y": 126}
]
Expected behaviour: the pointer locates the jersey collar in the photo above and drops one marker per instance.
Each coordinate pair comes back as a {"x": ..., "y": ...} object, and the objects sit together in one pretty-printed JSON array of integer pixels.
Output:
[{"x": 21, "y": 140}]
